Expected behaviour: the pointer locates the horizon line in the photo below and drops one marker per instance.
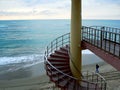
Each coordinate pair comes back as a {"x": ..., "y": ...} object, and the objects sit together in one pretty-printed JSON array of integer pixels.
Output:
[{"x": 52, "y": 19}]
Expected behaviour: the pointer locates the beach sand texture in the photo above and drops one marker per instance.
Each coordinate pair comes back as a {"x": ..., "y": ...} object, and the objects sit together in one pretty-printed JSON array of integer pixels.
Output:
[{"x": 39, "y": 80}]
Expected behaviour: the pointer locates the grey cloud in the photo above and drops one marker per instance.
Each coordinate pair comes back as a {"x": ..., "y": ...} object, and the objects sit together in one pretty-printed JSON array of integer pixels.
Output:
[
  {"x": 14, "y": 13},
  {"x": 46, "y": 12}
]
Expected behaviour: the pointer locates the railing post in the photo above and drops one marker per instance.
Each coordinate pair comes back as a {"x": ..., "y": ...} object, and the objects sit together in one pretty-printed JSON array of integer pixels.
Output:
[
  {"x": 58, "y": 78},
  {"x": 69, "y": 38},
  {"x": 105, "y": 86},
  {"x": 87, "y": 86},
  {"x": 101, "y": 84},
  {"x": 51, "y": 47},
  {"x": 109, "y": 41},
  {"x": 101, "y": 38},
  {"x": 62, "y": 41},
  {"x": 89, "y": 34},
  {"x": 87, "y": 75},
  {"x": 92, "y": 76},
  {"x": 56, "y": 44},
  {"x": 114, "y": 44},
  {"x": 105, "y": 38},
  {"x": 47, "y": 51},
  {"x": 96, "y": 86}
]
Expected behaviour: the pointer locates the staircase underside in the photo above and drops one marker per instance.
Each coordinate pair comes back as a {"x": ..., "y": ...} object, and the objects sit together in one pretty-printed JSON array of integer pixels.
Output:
[{"x": 106, "y": 56}]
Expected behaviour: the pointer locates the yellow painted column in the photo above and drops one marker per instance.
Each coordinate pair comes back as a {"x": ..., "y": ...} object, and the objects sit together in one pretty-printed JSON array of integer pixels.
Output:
[{"x": 75, "y": 39}]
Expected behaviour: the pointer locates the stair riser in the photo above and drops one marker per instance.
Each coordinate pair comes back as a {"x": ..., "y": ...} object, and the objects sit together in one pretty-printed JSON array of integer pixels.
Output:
[
  {"x": 59, "y": 78},
  {"x": 61, "y": 53},
  {"x": 59, "y": 64},
  {"x": 51, "y": 60},
  {"x": 60, "y": 67},
  {"x": 64, "y": 49},
  {"x": 61, "y": 57},
  {"x": 63, "y": 68},
  {"x": 54, "y": 72}
]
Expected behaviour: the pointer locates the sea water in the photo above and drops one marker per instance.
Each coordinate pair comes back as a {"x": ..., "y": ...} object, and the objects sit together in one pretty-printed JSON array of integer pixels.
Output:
[{"x": 25, "y": 41}]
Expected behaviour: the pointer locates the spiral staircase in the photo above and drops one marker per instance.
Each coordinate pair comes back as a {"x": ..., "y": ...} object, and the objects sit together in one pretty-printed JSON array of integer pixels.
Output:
[{"x": 57, "y": 58}]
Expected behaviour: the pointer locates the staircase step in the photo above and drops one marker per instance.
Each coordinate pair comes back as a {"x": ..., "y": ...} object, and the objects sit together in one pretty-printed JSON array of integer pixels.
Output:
[
  {"x": 59, "y": 63},
  {"x": 71, "y": 85},
  {"x": 62, "y": 67},
  {"x": 61, "y": 52},
  {"x": 57, "y": 78},
  {"x": 60, "y": 60},
  {"x": 52, "y": 71},
  {"x": 64, "y": 49},
  {"x": 59, "y": 56},
  {"x": 52, "y": 59},
  {"x": 64, "y": 83}
]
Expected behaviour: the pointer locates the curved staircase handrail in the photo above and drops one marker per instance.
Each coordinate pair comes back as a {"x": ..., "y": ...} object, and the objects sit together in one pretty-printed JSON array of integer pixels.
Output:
[
  {"x": 55, "y": 47},
  {"x": 57, "y": 43},
  {"x": 61, "y": 71}
]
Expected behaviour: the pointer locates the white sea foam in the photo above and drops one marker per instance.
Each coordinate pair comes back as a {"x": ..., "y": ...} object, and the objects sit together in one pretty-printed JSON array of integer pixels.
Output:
[{"x": 21, "y": 59}]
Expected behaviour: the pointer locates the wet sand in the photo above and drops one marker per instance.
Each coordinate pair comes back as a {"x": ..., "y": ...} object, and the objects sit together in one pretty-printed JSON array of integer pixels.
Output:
[{"x": 34, "y": 78}]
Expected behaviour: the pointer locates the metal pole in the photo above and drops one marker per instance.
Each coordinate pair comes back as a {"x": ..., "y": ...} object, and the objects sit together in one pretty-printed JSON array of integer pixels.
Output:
[{"x": 75, "y": 38}]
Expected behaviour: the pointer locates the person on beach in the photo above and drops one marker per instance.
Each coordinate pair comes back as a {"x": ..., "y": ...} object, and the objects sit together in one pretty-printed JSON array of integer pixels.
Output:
[{"x": 97, "y": 68}]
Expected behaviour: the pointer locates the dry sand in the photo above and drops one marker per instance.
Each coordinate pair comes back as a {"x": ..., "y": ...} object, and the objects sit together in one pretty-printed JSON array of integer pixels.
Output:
[{"x": 37, "y": 80}]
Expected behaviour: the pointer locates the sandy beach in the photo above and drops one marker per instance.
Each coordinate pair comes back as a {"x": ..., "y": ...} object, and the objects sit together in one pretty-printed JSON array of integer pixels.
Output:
[{"x": 36, "y": 79}]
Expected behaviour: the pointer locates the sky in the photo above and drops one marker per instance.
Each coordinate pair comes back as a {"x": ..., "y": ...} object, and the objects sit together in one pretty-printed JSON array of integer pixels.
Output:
[{"x": 57, "y": 9}]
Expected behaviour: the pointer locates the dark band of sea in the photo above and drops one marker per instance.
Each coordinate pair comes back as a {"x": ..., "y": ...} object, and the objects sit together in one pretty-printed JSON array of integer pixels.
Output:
[{"x": 23, "y": 42}]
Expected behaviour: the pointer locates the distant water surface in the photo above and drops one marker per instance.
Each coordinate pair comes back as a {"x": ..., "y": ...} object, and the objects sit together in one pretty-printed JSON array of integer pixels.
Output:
[{"x": 24, "y": 41}]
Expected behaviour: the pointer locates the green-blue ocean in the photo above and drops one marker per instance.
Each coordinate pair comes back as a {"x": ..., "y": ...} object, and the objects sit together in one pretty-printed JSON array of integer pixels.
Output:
[{"x": 24, "y": 41}]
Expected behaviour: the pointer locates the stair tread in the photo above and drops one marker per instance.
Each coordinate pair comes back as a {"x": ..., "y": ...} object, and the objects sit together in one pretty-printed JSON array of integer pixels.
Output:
[
  {"x": 57, "y": 78},
  {"x": 64, "y": 49},
  {"x": 59, "y": 55},
  {"x": 54, "y": 58},
  {"x": 65, "y": 82},
  {"x": 62, "y": 67},
  {"x": 61, "y": 52},
  {"x": 63, "y": 63},
  {"x": 57, "y": 72}
]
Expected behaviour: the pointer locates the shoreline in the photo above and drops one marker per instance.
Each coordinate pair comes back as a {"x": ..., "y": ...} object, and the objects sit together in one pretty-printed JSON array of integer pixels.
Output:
[
  {"x": 38, "y": 80},
  {"x": 37, "y": 70},
  {"x": 24, "y": 70}
]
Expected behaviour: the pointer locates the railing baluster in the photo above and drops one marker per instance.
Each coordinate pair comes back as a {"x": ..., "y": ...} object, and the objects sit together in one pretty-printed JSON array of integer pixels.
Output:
[
  {"x": 47, "y": 51},
  {"x": 114, "y": 44},
  {"x": 87, "y": 86},
  {"x": 101, "y": 38},
  {"x": 119, "y": 45},
  {"x": 105, "y": 40},
  {"x": 62, "y": 41},
  {"x": 92, "y": 37},
  {"x": 89, "y": 35},
  {"x": 98, "y": 38},
  {"x": 95, "y": 38},
  {"x": 51, "y": 46},
  {"x": 56, "y": 43},
  {"x": 109, "y": 41},
  {"x": 101, "y": 84}
]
